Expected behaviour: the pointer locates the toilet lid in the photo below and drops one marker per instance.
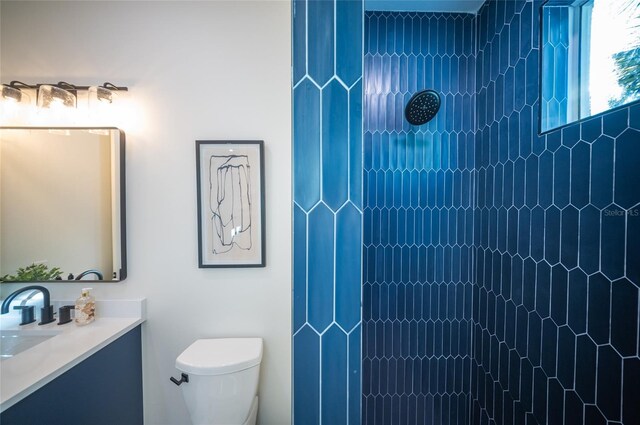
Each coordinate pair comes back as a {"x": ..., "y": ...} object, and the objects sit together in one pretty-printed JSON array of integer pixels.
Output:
[{"x": 220, "y": 356}]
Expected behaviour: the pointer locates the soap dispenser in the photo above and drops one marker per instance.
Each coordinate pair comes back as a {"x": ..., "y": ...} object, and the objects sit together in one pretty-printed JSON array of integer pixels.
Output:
[{"x": 85, "y": 311}]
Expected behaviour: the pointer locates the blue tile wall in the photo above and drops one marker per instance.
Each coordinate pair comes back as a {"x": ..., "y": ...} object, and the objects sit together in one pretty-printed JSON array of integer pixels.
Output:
[
  {"x": 327, "y": 211},
  {"x": 418, "y": 220},
  {"x": 557, "y": 264},
  {"x": 500, "y": 269}
]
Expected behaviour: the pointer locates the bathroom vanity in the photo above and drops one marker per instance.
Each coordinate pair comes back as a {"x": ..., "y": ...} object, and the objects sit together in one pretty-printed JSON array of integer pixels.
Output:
[
  {"x": 70, "y": 226},
  {"x": 76, "y": 374}
]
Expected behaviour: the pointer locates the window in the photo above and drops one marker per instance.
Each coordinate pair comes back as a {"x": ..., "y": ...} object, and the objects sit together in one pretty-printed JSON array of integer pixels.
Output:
[{"x": 590, "y": 58}]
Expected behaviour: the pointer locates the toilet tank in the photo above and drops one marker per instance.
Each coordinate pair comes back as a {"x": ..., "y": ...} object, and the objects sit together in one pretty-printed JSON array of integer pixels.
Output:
[{"x": 223, "y": 379}]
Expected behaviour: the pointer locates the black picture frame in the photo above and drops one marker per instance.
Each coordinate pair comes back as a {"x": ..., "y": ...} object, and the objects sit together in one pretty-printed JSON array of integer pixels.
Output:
[{"x": 231, "y": 203}]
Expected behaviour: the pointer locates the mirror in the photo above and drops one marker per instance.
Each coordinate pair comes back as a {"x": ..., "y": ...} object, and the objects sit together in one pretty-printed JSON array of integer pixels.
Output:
[
  {"x": 62, "y": 204},
  {"x": 590, "y": 59}
]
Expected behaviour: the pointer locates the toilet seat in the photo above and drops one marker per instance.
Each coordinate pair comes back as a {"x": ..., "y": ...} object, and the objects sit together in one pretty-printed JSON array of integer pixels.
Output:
[{"x": 220, "y": 356}]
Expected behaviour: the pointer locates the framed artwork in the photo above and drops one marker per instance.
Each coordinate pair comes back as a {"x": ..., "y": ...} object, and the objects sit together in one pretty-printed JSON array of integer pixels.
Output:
[{"x": 230, "y": 180}]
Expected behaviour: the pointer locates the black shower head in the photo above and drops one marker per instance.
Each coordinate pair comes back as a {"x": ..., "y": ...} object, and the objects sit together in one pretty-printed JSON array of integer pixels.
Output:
[{"x": 422, "y": 107}]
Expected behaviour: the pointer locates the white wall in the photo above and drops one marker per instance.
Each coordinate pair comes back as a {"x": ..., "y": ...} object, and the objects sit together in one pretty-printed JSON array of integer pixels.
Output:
[{"x": 196, "y": 70}]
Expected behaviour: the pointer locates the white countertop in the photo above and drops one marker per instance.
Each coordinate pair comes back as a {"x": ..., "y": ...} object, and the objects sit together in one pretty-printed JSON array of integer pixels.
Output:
[{"x": 33, "y": 368}]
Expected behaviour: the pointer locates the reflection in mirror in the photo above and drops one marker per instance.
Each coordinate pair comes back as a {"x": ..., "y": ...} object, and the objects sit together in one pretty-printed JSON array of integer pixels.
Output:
[
  {"x": 590, "y": 58},
  {"x": 62, "y": 204}
]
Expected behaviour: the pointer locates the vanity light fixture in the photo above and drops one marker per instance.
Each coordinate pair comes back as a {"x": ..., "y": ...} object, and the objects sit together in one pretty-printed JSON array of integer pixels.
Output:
[
  {"x": 61, "y": 93},
  {"x": 60, "y": 104}
]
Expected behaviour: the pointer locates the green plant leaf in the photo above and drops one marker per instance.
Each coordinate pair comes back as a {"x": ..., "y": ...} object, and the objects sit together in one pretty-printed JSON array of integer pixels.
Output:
[{"x": 33, "y": 273}]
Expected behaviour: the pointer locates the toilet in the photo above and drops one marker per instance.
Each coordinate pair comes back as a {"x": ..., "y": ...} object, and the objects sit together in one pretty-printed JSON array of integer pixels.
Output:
[{"x": 222, "y": 386}]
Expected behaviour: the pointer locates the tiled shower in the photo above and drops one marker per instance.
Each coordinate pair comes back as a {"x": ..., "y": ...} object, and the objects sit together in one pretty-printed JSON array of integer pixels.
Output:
[
  {"x": 499, "y": 267},
  {"x": 557, "y": 239},
  {"x": 418, "y": 219}
]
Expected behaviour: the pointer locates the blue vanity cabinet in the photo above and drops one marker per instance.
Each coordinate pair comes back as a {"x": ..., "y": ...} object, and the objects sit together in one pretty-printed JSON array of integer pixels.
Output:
[{"x": 105, "y": 388}]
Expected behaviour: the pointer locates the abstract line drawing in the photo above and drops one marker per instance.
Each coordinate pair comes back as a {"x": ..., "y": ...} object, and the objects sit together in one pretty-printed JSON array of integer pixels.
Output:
[
  {"x": 230, "y": 202},
  {"x": 231, "y": 213}
]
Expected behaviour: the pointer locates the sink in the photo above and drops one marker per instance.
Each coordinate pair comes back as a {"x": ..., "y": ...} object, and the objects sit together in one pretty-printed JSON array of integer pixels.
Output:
[{"x": 13, "y": 342}]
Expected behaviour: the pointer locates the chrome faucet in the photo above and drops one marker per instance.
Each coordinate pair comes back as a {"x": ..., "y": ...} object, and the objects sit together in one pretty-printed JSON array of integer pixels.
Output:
[
  {"x": 88, "y": 272},
  {"x": 46, "y": 312}
]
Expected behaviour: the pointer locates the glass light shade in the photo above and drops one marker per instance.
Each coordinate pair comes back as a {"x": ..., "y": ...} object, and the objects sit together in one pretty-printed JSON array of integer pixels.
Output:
[
  {"x": 102, "y": 105},
  {"x": 52, "y": 96},
  {"x": 11, "y": 94},
  {"x": 14, "y": 106},
  {"x": 100, "y": 96}
]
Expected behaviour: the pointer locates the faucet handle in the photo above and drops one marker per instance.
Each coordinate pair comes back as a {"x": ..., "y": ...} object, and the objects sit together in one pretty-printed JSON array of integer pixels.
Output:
[
  {"x": 46, "y": 315},
  {"x": 28, "y": 313},
  {"x": 64, "y": 314}
]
